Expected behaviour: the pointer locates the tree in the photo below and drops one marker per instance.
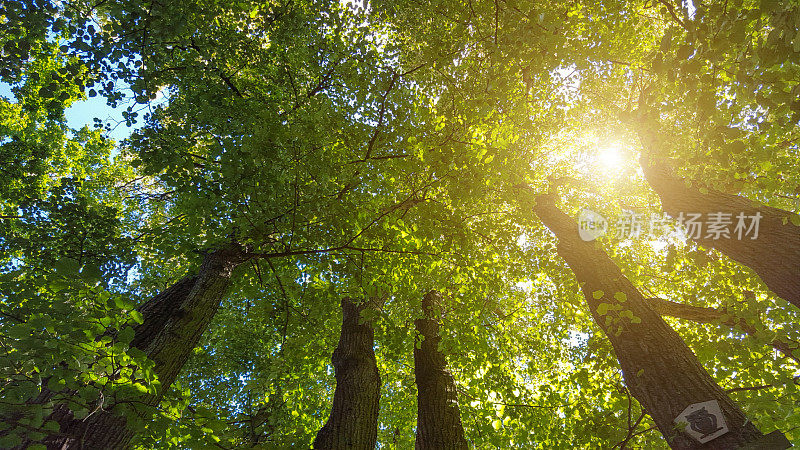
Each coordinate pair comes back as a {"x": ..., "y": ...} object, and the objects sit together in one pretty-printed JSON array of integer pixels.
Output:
[
  {"x": 659, "y": 369},
  {"x": 363, "y": 150},
  {"x": 438, "y": 417},
  {"x": 772, "y": 246},
  {"x": 706, "y": 151},
  {"x": 353, "y": 422},
  {"x": 170, "y": 327}
]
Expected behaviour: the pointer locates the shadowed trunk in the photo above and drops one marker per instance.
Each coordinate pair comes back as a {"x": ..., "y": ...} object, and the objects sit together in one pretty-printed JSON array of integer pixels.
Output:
[
  {"x": 353, "y": 423},
  {"x": 173, "y": 322},
  {"x": 438, "y": 418},
  {"x": 708, "y": 315},
  {"x": 659, "y": 369},
  {"x": 774, "y": 255}
]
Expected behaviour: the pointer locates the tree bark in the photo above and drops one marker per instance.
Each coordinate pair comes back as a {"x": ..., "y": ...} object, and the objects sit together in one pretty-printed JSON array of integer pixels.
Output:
[
  {"x": 173, "y": 322},
  {"x": 353, "y": 422},
  {"x": 659, "y": 369},
  {"x": 438, "y": 418},
  {"x": 708, "y": 315},
  {"x": 774, "y": 255}
]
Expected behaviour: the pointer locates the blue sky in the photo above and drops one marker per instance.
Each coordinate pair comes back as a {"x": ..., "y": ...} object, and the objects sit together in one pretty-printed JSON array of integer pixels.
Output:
[{"x": 83, "y": 113}]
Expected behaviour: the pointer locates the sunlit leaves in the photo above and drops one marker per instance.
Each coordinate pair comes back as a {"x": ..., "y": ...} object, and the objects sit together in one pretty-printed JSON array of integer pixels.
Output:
[{"x": 382, "y": 151}]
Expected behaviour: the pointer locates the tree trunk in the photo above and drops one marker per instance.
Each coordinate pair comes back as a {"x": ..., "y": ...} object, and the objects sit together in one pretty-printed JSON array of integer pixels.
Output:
[
  {"x": 173, "y": 322},
  {"x": 659, "y": 369},
  {"x": 774, "y": 255},
  {"x": 708, "y": 315},
  {"x": 353, "y": 423},
  {"x": 438, "y": 418}
]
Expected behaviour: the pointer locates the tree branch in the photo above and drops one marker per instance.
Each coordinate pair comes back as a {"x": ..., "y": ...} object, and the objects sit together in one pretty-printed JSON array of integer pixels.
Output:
[{"x": 708, "y": 315}]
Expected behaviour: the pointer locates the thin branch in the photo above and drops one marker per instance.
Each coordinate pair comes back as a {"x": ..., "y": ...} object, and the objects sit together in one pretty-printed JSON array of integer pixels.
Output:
[
  {"x": 710, "y": 315},
  {"x": 671, "y": 10},
  {"x": 749, "y": 388},
  {"x": 381, "y": 115}
]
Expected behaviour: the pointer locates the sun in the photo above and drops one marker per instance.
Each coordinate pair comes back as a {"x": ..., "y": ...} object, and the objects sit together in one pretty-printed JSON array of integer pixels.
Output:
[{"x": 610, "y": 157}]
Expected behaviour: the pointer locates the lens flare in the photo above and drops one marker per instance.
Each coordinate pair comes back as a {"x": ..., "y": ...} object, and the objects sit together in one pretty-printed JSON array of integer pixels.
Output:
[{"x": 610, "y": 158}]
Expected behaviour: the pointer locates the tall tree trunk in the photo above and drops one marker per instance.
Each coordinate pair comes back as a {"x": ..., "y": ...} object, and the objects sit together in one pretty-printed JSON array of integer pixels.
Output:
[
  {"x": 659, "y": 369},
  {"x": 774, "y": 255},
  {"x": 438, "y": 418},
  {"x": 173, "y": 322},
  {"x": 353, "y": 423},
  {"x": 709, "y": 315}
]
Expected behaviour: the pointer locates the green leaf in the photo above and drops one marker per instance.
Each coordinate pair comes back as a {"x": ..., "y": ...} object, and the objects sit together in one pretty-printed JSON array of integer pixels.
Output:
[
  {"x": 126, "y": 335},
  {"x": 55, "y": 384},
  {"x": 137, "y": 316},
  {"x": 122, "y": 303},
  {"x": 20, "y": 331},
  {"x": 67, "y": 267},
  {"x": 91, "y": 272},
  {"x": 683, "y": 52},
  {"x": 597, "y": 294}
]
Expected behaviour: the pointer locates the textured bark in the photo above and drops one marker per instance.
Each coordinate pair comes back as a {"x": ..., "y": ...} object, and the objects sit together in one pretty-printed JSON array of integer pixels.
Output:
[
  {"x": 686, "y": 312},
  {"x": 659, "y": 369},
  {"x": 708, "y": 315},
  {"x": 173, "y": 322},
  {"x": 353, "y": 423},
  {"x": 774, "y": 255},
  {"x": 438, "y": 418}
]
